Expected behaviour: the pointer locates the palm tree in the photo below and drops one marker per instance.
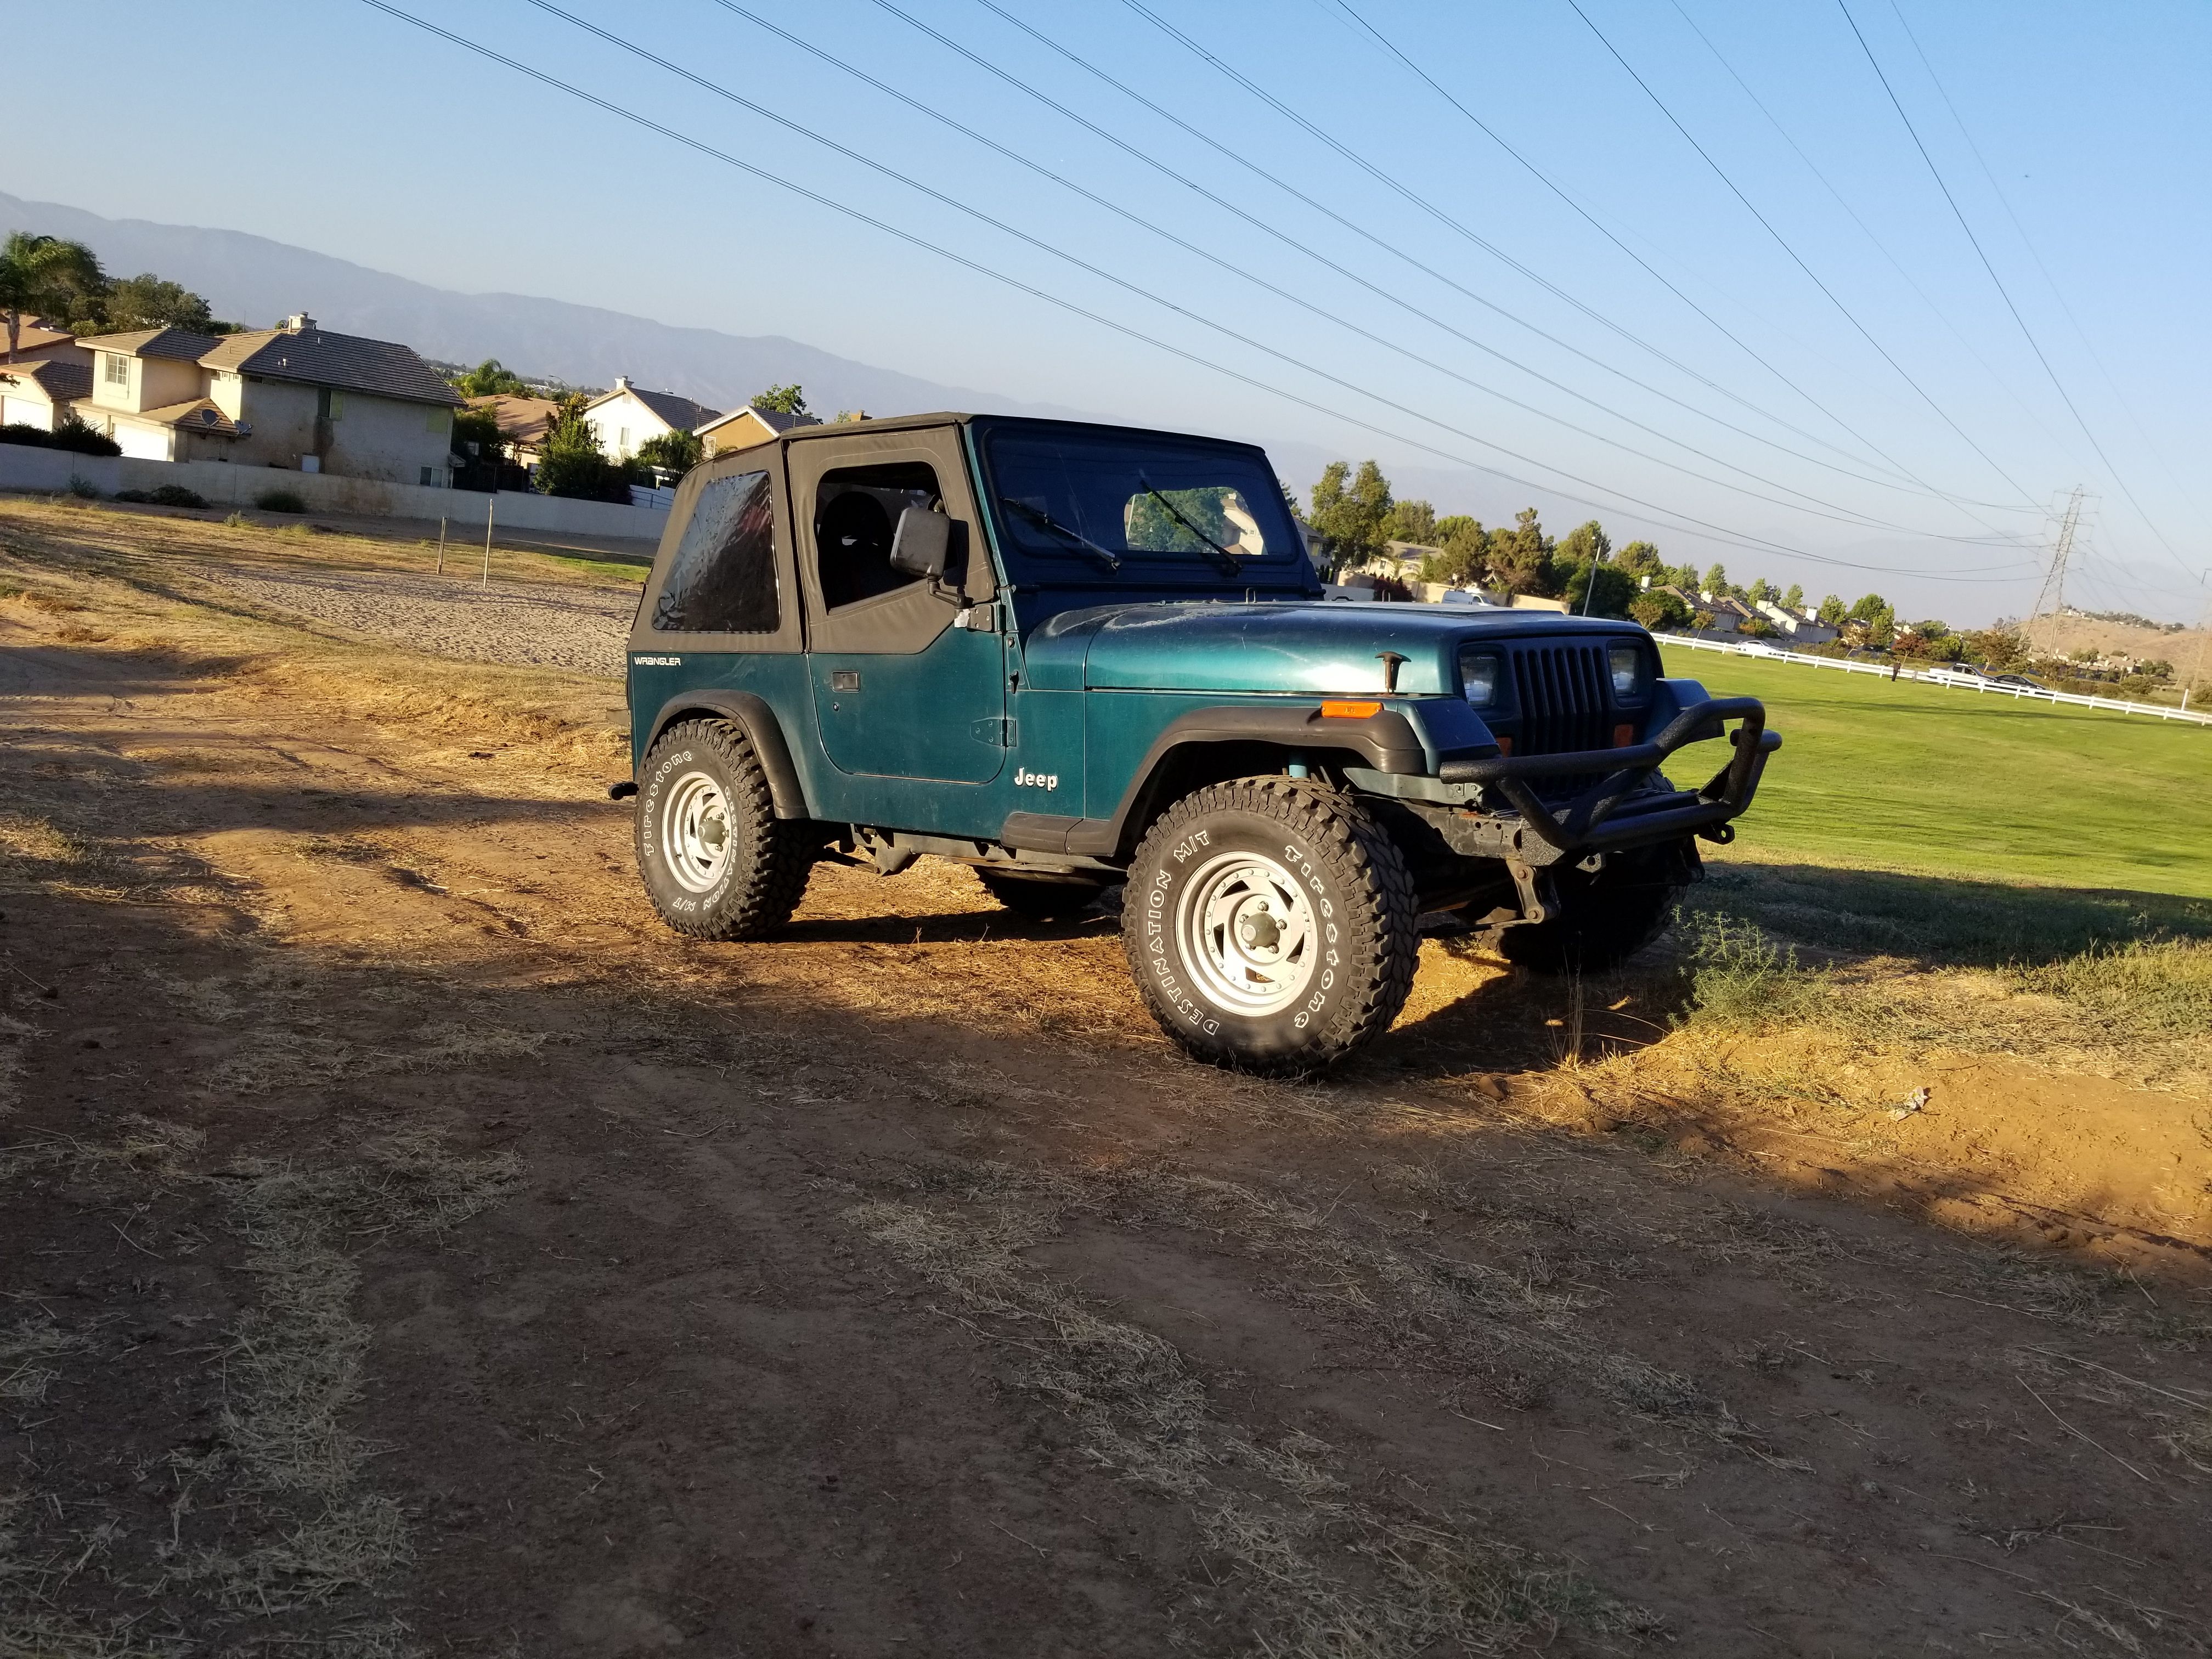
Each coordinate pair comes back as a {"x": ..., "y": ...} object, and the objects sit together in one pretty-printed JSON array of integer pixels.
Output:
[{"x": 42, "y": 273}]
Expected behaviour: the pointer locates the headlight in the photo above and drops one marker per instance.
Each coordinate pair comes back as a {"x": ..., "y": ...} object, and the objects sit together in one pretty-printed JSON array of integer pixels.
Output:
[
  {"x": 1478, "y": 675},
  {"x": 1627, "y": 664}
]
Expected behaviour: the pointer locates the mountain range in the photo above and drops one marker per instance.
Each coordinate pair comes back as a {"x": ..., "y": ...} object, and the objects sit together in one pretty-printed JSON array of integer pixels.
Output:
[{"x": 254, "y": 280}]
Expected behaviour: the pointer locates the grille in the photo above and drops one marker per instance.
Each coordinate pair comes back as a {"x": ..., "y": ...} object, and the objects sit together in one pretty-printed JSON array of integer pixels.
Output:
[{"x": 1560, "y": 692}]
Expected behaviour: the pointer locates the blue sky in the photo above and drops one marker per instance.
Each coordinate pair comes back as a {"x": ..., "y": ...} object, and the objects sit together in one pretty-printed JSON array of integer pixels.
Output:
[{"x": 1798, "y": 449}]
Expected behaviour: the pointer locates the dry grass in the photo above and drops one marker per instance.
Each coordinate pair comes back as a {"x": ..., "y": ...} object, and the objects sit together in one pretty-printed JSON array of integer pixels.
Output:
[{"x": 1332, "y": 1574}]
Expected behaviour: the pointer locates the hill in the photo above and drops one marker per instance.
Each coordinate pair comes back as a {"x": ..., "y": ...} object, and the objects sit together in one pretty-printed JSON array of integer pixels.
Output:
[{"x": 255, "y": 280}]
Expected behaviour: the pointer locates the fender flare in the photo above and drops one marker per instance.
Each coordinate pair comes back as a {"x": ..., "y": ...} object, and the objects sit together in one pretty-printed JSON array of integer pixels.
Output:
[
  {"x": 752, "y": 715},
  {"x": 1386, "y": 740}
]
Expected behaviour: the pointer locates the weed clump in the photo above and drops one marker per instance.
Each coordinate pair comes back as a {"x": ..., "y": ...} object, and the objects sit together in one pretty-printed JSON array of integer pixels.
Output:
[
  {"x": 280, "y": 500},
  {"x": 2149, "y": 988},
  {"x": 1739, "y": 976}
]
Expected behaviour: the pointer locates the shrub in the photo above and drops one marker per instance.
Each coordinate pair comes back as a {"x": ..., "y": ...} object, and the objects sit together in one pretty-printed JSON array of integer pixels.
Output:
[
  {"x": 83, "y": 489},
  {"x": 139, "y": 495},
  {"x": 71, "y": 435},
  {"x": 178, "y": 495},
  {"x": 1741, "y": 978},
  {"x": 238, "y": 521},
  {"x": 280, "y": 500}
]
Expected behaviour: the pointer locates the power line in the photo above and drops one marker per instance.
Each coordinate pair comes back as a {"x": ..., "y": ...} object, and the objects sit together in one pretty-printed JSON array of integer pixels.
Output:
[
  {"x": 1896, "y": 264},
  {"x": 2051, "y": 598},
  {"x": 1397, "y": 252},
  {"x": 1292, "y": 115},
  {"x": 2027, "y": 242},
  {"x": 1088, "y": 266},
  {"x": 1726, "y": 537},
  {"x": 1781, "y": 242},
  {"x": 1833, "y": 511},
  {"x": 1544, "y": 178}
]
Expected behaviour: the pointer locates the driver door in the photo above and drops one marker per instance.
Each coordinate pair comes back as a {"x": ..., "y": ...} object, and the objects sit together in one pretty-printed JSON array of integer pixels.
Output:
[{"x": 899, "y": 691}]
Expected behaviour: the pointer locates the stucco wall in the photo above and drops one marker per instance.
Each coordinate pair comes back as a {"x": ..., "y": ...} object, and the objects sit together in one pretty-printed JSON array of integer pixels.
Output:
[
  {"x": 620, "y": 413},
  {"x": 26, "y": 411},
  {"x": 389, "y": 441}
]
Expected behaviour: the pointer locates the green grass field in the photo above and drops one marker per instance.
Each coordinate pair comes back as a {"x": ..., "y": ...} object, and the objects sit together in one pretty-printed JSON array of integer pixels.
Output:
[{"x": 1924, "y": 779}]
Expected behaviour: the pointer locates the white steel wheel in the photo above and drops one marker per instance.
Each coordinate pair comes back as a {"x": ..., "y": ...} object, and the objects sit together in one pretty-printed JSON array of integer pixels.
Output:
[
  {"x": 695, "y": 832},
  {"x": 1247, "y": 934}
]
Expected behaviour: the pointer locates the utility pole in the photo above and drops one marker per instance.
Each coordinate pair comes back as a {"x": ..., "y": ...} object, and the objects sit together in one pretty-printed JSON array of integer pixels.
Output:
[
  {"x": 2204, "y": 626},
  {"x": 2052, "y": 599}
]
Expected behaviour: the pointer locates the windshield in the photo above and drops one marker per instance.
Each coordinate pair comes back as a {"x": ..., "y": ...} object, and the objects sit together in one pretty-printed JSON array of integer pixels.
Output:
[{"x": 1075, "y": 503}]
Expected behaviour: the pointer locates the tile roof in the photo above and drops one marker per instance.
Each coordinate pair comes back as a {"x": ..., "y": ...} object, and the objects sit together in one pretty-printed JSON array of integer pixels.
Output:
[
  {"x": 154, "y": 343},
  {"x": 59, "y": 381},
  {"x": 521, "y": 420},
  {"x": 34, "y": 336},
  {"x": 200, "y": 414},
  {"x": 775, "y": 420},
  {"x": 315, "y": 356}
]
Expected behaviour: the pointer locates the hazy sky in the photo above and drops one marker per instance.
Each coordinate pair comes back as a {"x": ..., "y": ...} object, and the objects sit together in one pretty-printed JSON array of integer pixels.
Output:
[{"x": 1934, "y": 441}]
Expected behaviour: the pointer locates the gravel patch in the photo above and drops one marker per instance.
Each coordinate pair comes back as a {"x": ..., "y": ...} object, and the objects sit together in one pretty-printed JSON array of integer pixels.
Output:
[{"x": 527, "y": 625}]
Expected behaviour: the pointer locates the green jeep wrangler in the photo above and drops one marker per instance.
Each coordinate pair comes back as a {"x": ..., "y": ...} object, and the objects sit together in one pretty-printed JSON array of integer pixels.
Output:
[{"x": 1074, "y": 656}]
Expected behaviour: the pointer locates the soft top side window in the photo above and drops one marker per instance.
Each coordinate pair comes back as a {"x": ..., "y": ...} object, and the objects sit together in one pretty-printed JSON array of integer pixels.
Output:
[
  {"x": 722, "y": 579},
  {"x": 856, "y": 510}
]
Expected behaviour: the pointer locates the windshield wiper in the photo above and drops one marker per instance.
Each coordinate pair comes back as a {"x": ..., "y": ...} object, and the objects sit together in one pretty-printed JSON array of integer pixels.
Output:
[
  {"x": 1045, "y": 520},
  {"x": 1228, "y": 565}
]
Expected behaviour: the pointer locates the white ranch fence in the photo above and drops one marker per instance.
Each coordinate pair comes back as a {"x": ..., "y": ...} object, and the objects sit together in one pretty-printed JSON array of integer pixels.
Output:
[{"x": 1952, "y": 677}]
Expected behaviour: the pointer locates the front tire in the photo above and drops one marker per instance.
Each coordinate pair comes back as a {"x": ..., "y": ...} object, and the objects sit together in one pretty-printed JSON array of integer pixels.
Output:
[
  {"x": 1270, "y": 925},
  {"x": 717, "y": 861}
]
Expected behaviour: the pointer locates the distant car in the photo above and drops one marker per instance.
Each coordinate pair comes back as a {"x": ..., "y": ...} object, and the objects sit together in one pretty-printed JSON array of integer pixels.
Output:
[
  {"x": 1756, "y": 648},
  {"x": 1460, "y": 596},
  {"x": 2026, "y": 680}
]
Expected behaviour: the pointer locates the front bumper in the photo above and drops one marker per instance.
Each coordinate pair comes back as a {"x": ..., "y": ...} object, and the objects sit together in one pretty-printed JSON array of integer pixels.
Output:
[{"x": 1621, "y": 809}]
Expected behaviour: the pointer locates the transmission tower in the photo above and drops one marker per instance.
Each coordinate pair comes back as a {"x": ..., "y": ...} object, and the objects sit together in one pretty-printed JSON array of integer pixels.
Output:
[{"x": 2052, "y": 599}]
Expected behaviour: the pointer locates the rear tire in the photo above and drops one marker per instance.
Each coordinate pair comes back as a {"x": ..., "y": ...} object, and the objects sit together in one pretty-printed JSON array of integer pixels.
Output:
[
  {"x": 716, "y": 860},
  {"x": 1041, "y": 898},
  {"x": 1606, "y": 918},
  {"x": 1270, "y": 925}
]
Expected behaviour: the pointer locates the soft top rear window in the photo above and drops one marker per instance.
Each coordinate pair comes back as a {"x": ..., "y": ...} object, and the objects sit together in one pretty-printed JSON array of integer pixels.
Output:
[{"x": 1073, "y": 503}]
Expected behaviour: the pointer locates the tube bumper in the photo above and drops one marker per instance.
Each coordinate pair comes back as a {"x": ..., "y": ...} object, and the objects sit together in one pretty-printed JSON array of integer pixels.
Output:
[{"x": 1615, "y": 812}]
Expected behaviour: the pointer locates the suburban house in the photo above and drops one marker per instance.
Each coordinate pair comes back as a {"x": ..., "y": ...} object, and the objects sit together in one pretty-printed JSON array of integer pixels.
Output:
[
  {"x": 741, "y": 429},
  {"x": 297, "y": 396},
  {"x": 36, "y": 342},
  {"x": 523, "y": 422},
  {"x": 1803, "y": 627},
  {"x": 625, "y": 417},
  {"x": 38, "y": 392}
]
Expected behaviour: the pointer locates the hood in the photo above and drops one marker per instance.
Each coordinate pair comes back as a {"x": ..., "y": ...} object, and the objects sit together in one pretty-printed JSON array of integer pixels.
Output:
[{"x": 1316, "y": 648}]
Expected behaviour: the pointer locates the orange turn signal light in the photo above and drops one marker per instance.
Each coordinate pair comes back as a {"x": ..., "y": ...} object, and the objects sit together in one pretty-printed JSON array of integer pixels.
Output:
[
  {"x": 1350, "y": 711},
  {"x": 1623, "y": 736},
  {"x": 1505, "y": 747}
]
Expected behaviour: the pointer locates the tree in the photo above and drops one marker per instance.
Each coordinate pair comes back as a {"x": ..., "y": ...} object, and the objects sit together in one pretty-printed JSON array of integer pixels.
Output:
[
  {"x": 672, "y": 451},
  {"x": 1876, "y": 619},
  {"x": 1794, "y": 598},
  {"x": 1615, "y": 591},
  {"x": 783, "y": 399},
  {"x": 571, "y": 463},
  {"x": 1411, "y": 521},
  {"x": 1521, "y": 558},
  {"x": 1832, "y": 613},
  {"x": 1763, "y": 592},
  {"x": 147, "y": 301},
  {"x": 1639, "y": 560},
  {"x": 479, "y": 427},
  {"x": 1586, "y": 544},
  {"x": 491, "y": 379},
  {"x": 1466, "y": 551},
  {"x": 1351, "y": 515},
  {"x": 1658, "y": 609},
  {"x": 42, "y": 275},
  {"x": 1998, "y": 648},
  {"x": 1715, "y": 582}
]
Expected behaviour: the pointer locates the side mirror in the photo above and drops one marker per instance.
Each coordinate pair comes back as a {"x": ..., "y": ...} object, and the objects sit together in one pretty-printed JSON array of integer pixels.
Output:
[{"x": 920, "y": 543}]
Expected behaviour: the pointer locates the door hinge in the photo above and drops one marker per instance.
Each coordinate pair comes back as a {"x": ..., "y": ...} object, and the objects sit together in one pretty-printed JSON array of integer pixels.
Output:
[{"x": 997, "y": 733}]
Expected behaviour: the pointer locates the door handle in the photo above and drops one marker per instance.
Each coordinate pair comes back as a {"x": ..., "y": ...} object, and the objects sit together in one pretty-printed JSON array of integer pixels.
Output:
[{"x": 844, "y": 679}]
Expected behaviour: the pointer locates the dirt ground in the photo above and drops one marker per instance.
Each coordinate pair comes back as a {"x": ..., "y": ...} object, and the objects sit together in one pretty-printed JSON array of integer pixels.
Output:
[{"x": 408, "y": 1246}]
